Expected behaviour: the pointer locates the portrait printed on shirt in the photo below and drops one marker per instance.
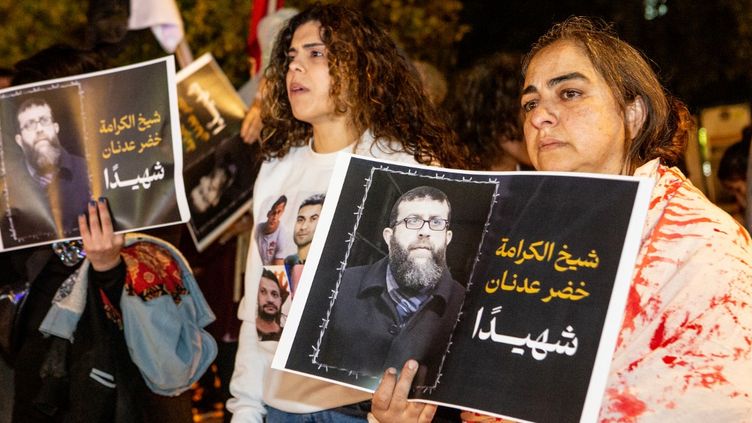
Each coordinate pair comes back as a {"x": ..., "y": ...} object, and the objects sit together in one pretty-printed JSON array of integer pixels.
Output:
[
  {"x": 402, "y": 290},
  {"x": 45, "y": 177},
  {"x": 283, "y": 240},
  {"x": 306, "y": 220},
  {"x": 272, "y": 302},
  {"x": 272, "y": 234}
]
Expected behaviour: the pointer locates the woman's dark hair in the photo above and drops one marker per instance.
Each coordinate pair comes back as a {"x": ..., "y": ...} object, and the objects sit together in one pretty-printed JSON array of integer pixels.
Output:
[
  {"x": 667, "y": 125},
  {"x": 485, "y": 107},
  {"x": 371, "y": 82}
]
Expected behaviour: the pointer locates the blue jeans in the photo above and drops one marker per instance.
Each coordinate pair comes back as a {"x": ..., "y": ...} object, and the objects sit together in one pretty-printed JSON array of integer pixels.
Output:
[{"x": 274, "y": 415}]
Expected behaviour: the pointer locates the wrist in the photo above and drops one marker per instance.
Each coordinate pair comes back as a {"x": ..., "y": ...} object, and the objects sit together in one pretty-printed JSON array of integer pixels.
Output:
[{"x": 104, "y": 266}]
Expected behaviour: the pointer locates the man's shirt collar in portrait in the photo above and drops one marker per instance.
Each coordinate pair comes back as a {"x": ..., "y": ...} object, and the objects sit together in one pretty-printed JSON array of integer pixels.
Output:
[
  {"x": 406, "y": 303},
  {"x": 374, "y": 282}
]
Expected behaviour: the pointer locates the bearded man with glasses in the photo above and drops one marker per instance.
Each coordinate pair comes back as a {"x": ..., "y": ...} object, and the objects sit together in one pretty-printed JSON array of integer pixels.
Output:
[
  {"x": 54, "y": 190},
  {"x": 404, "y": 305}
]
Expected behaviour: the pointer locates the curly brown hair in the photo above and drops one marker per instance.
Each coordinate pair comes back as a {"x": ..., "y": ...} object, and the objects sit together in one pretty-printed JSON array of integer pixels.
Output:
[
  {"x": 371, "y": 82},
  {"x": 485, "y": 106},
  {"x": 667, "y": 126}
]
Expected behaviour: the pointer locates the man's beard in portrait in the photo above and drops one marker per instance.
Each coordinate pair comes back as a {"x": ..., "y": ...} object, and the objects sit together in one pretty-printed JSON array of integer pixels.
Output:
[
  {"x": 45, "y": 157},
  {"x": 412, "y": 275},
  {"x": 269, "y": 317}
]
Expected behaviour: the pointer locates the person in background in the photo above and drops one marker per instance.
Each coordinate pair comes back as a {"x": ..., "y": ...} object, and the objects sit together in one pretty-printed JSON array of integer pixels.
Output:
[
  {"x": 592, "y": 103},
  {"x": 252, "y": 92},
  {"x": 486, "y": 113},
  {"x": 318, "y": 103},
  {"x": 101, "y": 292},
  {"x": 6, "y": 77},
  {"x": 732, "y": 173},
  {"x": 433, "y": 81}
]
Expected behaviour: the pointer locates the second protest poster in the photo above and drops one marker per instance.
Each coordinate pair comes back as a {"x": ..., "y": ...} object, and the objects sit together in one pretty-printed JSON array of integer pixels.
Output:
[{"x": 220, "y": 168}]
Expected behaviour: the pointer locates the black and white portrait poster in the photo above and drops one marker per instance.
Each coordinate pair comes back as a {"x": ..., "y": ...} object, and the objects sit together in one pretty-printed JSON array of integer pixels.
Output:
[
  {"x": 220, "y": 168},
  {"x": 508, "y": 288},
  {"x": 112, "y": 134}
]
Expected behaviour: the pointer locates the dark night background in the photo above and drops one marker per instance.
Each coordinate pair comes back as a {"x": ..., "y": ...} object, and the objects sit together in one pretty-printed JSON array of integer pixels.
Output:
[{"x": 702, "y": 50}]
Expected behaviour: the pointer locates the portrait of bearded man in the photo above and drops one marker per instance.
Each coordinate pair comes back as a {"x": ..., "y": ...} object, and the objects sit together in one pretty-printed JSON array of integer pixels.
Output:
[
  {"x": 50, "y": 185},
  {"x": 271, "y": 296},
  {"x": 404, "y": 305}
]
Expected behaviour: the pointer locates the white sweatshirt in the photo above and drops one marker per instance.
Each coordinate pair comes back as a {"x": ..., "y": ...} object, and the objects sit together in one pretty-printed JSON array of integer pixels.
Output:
[{"x": 299, "y": 175}]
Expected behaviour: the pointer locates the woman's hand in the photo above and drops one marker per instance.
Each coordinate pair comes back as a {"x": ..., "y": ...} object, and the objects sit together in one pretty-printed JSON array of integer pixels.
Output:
[
  {"x": 250, "y": 129},
  {"x": 101, "y": 244},
  {"x": 390, "y": 403}
]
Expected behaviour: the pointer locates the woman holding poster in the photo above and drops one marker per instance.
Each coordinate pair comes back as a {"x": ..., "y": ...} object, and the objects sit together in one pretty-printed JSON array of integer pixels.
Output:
[
  {"x": 591, "y": 103},
  {"x": 336, "y": 83}
]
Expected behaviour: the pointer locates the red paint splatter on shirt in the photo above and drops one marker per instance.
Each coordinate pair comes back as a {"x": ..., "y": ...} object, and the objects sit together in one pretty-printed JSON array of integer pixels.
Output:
[
  {"x": 628, "y": 405},
  {"x": 714, "y": 377}
]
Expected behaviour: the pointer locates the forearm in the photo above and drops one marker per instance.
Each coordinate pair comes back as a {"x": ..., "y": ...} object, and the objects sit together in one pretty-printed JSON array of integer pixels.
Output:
[{"x": 110, "y": 281}]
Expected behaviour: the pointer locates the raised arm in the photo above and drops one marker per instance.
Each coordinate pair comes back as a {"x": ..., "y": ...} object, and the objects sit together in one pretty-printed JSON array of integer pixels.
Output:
[{"x": 101, "y": 244}]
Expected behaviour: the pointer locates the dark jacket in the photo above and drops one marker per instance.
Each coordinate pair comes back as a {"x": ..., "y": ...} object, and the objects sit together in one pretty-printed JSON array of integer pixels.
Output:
[
  {"x": 71, "y": 394},
  {"x": 364, "y": 334},
  {"x": 35, "y": 214}
]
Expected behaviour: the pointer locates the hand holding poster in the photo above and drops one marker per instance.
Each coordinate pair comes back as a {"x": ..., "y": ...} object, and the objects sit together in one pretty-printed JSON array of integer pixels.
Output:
[
  {"x": 66, "y": 141},
  {"x": 511, "y": 283}
]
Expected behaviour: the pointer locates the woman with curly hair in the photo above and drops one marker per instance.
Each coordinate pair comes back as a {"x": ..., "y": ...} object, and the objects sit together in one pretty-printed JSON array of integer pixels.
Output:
[
  {"x": 592, "y": 103},
  {"x": 336, "y": 82},
  {"x": 370, "y": 87}
]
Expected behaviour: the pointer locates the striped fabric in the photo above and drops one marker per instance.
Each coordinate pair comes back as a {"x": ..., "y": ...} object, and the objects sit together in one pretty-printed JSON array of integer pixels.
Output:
[{"x": 405, "y": 303}]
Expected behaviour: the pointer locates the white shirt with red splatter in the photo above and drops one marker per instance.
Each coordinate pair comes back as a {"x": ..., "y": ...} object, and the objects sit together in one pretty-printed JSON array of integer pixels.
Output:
[{"x": 684, "y": 353}]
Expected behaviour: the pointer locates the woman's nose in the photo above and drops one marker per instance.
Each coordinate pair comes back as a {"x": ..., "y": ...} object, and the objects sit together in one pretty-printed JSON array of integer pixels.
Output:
[
  {"x": 543, "y": 115},
  {"x": 296, "y": 66}
]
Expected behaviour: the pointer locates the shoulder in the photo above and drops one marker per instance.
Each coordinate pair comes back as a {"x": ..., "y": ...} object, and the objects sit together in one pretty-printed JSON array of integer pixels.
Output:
[
  {"x": 681, "y": 208},
  {"x": 73, "y": 163},
  {"x": 369, "y": 274},
  {"x": 452, "y": 291},
  {"x": 279, "y": 164},
  {"x": 358, "y": 271},
  {"x": 688, "y": 241},
  {"x": 70, "y": 160}
]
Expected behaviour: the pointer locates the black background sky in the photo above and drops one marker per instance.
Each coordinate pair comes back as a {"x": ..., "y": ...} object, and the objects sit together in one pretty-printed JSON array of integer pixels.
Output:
[{"x": 702, "y": 50}]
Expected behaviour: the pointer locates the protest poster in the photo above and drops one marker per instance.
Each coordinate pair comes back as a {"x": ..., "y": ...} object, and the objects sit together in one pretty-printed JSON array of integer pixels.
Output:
[
  {"x": 220, "y": 168},
  {"x": 112, "y": 134},
  {"x": 508, "y": 288}
]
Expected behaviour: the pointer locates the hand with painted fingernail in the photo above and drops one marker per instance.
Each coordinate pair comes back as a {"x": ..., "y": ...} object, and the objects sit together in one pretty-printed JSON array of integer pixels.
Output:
[{"x": 101, "y": 244}]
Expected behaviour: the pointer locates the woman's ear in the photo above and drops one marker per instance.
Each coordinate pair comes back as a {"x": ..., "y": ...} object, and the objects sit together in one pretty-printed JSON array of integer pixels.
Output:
[{"x": 635, "y": 115}]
